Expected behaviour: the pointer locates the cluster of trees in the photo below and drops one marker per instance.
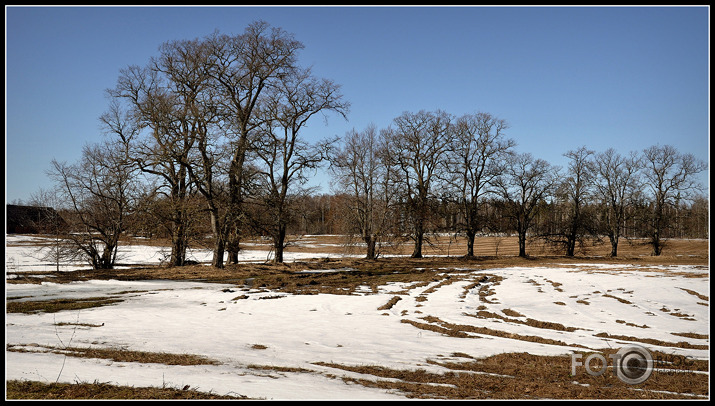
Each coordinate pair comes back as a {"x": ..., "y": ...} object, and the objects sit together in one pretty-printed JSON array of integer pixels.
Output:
[
  {"x": 209, "y": 138},
  {"x": 430, "y": 171},
  {"x": 221, "y": 117}
]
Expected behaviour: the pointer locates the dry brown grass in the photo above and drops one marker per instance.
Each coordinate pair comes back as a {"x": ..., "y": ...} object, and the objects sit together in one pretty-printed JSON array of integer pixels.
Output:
[
  {"x": 119, "y": 355},
  {"x": 56, "y": 305},
  {"x": 469, "y": 331},
  {"x": 390, "y": 303},
  {"x": 529, "y": 321},
  {"x": 526, "y": 376},
  {"x": 680, "y": 344},
  {"x": 507, "y": 247},
  {"x": 16, "y": 389},
  {"x": 694, "y": 293}
]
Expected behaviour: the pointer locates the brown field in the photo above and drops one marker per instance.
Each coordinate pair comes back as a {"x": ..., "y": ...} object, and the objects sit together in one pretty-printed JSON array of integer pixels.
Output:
[
  {"x": 487, "y": 246},
  {"x": 501, "y": 247},
  {"x": 492, "y": 247}
]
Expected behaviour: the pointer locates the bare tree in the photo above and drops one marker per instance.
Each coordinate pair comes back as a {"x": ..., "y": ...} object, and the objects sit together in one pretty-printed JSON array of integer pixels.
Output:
[
  {"x": 197, "y": 104},
  {"x": 574, "y": 192},
  {"x": 670, "y": 177},
  {"x": 209, "y": 173},
  {"x": 199, "y": 118},
  {"x": 60, "y": 249},
  {"x": 476, "y": 159},
  {"x": 161, "y": 139},
  {"x": 243, "y": 67},
  {"x": 616, "y": 183},
  {"x": 360, "y": 171},
  {"x": 525, "y": 183},
  {"x": 418, "y": 143},
  {"x": 99, "y": 190},
  {"x": 282, "y": 157}
]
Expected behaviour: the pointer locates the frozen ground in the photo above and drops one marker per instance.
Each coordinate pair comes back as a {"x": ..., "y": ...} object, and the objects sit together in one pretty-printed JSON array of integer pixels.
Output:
[{"x": 243, "y": 328}]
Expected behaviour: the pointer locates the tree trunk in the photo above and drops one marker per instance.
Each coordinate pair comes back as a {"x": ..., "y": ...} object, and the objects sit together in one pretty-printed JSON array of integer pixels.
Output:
[
  {"x": 470, "y": 243},
  {"x": 570, "y": 246},
  {"x": 219, "y": 245},
  {"x": 233, "y": 256},
  {"x": 279, "y": 244},
  {"x": 657, "y": 245},
  {"x": 614, "y": 245},
  {"x": 657, "y": 225},
  {"x": 419, "y": 239},
  {"x": 105, "y": 261},
  {"x": 278, "y": 247},
  {"x": 371, "y": 243},
  {"x": 232, "y": 245},
  {"x": 235, "y": 189},
  {"x": 178, "y": 244},
  {"x": 522, "y": 244},
  {"x": 219, "y": 249}
]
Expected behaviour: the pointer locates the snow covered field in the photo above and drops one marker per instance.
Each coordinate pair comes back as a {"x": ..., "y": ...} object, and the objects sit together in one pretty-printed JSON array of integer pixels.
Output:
[{"x": 268, "y": 344}]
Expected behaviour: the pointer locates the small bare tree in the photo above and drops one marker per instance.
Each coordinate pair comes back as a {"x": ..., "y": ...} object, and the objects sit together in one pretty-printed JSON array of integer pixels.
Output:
[
  {"x": 60, "y": 250},
  {"x": 99, "y": 190},
  {"x": 574, "y": 192},
  {"x": 523, "y": 186},
  {"x": 616, "y": 183},
  {"x": 361, "y": 173}
]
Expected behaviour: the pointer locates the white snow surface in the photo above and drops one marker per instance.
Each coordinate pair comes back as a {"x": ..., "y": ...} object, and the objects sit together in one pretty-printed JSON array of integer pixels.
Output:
[
  {"x": 241, "y": 327},
  {"x": 22, "y": 256}
]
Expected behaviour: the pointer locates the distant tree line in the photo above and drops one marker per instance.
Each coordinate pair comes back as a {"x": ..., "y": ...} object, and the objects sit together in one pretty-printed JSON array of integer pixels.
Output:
[{"x": 209, "y": 138}]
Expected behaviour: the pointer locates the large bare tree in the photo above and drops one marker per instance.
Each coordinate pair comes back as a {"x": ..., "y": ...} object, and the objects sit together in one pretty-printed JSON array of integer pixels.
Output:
[
  {"x": 477, "y": 157},
  {"x": 670, "y": 177},
  {"x": 243, "y": 67},
  {"x": 282, "y": 155},
  {"x": 198, "y": 102},
  {"x": 418, "y": 144},
  {"x": 164, "y": 139},
  {"x": 198, "y": 117}
]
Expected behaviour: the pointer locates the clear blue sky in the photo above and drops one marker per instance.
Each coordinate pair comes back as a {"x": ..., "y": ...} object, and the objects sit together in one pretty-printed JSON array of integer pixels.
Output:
[{"x": 621, "y": 77}]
